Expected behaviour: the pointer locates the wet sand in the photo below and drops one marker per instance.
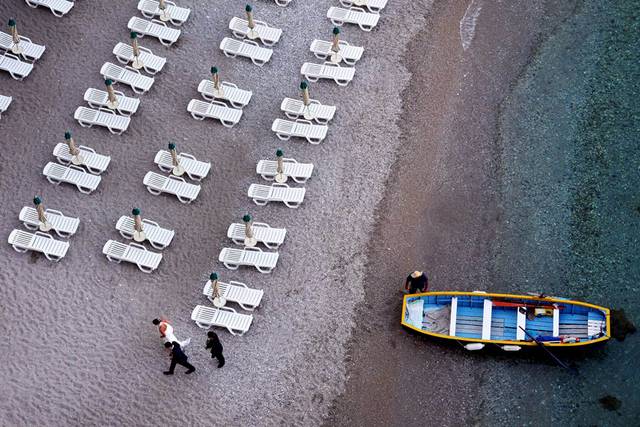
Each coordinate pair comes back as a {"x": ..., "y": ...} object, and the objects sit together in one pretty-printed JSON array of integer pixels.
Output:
[{"x": 491, "y": 183}]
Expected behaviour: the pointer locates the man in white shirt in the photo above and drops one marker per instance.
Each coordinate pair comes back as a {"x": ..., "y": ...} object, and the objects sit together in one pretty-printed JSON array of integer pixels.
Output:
[{"x": 166, "y": 332}]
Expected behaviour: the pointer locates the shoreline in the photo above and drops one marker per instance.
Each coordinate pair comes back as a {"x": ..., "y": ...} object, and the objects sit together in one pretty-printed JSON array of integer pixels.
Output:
[{"x": 449, "y": 210}]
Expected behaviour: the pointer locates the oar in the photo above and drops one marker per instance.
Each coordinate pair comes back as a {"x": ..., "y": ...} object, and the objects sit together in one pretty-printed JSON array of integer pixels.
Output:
[{"x": 553, "y": 356}]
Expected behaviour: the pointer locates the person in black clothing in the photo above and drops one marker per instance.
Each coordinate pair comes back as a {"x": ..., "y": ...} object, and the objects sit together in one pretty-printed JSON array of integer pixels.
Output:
[
  {"x": 178, "y": 358},
  {"x": 216, "y": 348},
  {"x": 417, "y": 282}
]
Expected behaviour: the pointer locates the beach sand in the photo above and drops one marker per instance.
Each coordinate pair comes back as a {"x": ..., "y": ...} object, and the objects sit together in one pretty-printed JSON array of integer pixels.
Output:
[{"x": 80, "y": 346}]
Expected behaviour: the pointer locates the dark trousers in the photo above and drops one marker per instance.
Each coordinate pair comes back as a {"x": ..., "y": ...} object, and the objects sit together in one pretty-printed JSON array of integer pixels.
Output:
[
  {"x": 184, "y": 363},
  {"x": 220, "y": 358}
]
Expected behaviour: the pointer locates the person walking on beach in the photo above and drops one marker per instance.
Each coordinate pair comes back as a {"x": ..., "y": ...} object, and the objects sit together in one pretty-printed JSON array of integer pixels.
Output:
[
  {"x": 178, "y": 358},
  {"x": 417, "y": 282},
  {"x": 166, "y": 332},
  {"x": 213, "y": 343}
]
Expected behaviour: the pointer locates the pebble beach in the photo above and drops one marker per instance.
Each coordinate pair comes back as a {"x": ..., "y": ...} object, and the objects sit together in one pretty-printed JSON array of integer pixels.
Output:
[{"x": 478, "y": 141}]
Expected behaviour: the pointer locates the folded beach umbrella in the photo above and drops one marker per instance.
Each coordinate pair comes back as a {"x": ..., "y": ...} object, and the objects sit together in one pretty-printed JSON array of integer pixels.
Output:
[
  {"x": 16, "y": 48},
  {"x": 304, "y": 90},
  {"x": 335, "y": 46},
  {"x": 178, "y": 169},
  {"x": 112, "y": 101},
  {"x": 215, "y": 77},
  {"x": 252, "y": 33},
  {"x": 44, "y": 224},
  {"x": 137, "y": 63},
  {"x": 280, "y": 176},
  {"x": 249, "y": 239},
  {"x": 218, "y": 300},
  {"x": 138, "y": 231},
  {"x": 76, "y": 158},
  {"x": 164, "y": 16}
]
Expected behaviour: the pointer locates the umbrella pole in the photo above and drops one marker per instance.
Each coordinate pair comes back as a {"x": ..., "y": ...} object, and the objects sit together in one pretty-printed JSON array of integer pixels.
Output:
[
  {"x": 252, "y": 33},
  {"x": 280, "y": 176},
  {"x": 15, "y": 48},
  {"x": 138, "y": 229},
  {"x": 249, "y": 239},
  {"x": 137, "y": 62},
  {"x": 164, "y": 13},
  {"x": 218, "y": 299},
  {"x": 44, "y": 224},
  {"x": 306, "y": 100},
  {"x": 76, "y": 157},
  {"x": 178, "y": 169},
  {"x": 336, "y": 57},
  {"x": 218, "y": 92},
  {"x": 112, "y": 101}
]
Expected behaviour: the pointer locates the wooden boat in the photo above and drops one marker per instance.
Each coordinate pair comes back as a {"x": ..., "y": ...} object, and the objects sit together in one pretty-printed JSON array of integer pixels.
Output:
[{"x": 509, "y": 321}]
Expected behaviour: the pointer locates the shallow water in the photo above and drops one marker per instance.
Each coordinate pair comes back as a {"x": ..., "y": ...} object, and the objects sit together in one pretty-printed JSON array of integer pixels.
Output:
[{"x": 570, "y": 179}]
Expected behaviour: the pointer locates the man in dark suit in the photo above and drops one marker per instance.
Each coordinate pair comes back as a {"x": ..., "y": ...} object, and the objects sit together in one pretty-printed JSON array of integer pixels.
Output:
[
  {"x": 216, "y": 348},
  {"x": 178, "y": 358}
]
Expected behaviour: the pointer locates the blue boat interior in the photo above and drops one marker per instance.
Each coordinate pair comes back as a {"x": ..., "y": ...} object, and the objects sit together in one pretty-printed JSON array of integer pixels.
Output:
[{"x": 503, "y": 319}]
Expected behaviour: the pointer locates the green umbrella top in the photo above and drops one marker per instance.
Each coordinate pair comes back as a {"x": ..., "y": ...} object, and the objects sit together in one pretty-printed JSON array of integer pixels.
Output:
[
  {"x": 336, "y": 31},
  {"x": 133, "y": 35},
  {"x": 67, "y": 135},
  {"x": 172, "y": 146},
  {"x": 37, "y": 200},
  {"x": 248, "y": 8},
  {"x": 304, "y": 85},
  {"x": 108, "y": 82},
  {"x": 135, "y": 211},
  {"x": 214, "y": 70},
  {"x": 279, "y": 152},
  {"x": 246, "y": 218},
  {"x": 12, "y": 22},
  {"x": 213, "y": 276}
]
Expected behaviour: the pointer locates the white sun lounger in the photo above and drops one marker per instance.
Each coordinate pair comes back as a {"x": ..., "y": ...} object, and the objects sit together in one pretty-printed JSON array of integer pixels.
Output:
[
  {"x": 285, "y": 129},
  {"x": 177, "y": 15},
  {"x": 269, "y": 236},
  {"x": 282, "y": 3},
  {"x": 5, "y": 101},
  {"x": 30, "y": 50},
  {"x": 85, "y": 181},
  {"x": 350, "y": 54},
  {"x": 146, "y": 260},
  {"x": 18, "y": 69},
  {"x": 233, "y": 258},
  {"x": 127, "y": 75},
  {"x": 354, "y": 15},
  {"x": 314, "y": 72},
  {"x": 157, "y": 184},
  {"x": 95, "y": 163},
  {"x": 58, "y": 7},
  {"x": 99, "y": 98},
  {"x": 88, "y": 117},
  {"x": 23, "y": 241},
  {"x": 374, "y": 6},
  {"x": 266, "y": 34},
  {"x": 195, "y": 169},
  {"x": 223, "y": 317},
  {"x": 238, "y": 98},
  {"x": 263, "y": 194},
  {"x": 150, "y": 62},
  {"x": 238, "y": 292},
  {"x": 246, "y": 48},
  {"x": 294, "y": 108},
  {"x": 154, "y": 28},
  {"x": 299, "y": 172},
  {"x": 200, "y": 110},
  {"x": 158, "y": 237},
  {"x": 63, "y": 226}
]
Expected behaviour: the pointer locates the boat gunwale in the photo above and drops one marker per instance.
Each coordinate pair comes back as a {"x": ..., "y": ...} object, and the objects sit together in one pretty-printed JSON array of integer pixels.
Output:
[{"x": 605, "y": 311}]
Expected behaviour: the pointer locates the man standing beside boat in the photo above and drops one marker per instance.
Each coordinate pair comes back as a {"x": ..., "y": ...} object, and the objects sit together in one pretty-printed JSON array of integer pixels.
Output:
[{"x": 417, "y": 282}]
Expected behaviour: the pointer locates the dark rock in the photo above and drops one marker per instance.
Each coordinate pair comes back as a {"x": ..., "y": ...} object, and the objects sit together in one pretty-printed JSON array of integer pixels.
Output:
[
  {"x": 621, "y": 325},
  {"x": 610, "y": 403}
]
